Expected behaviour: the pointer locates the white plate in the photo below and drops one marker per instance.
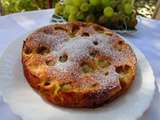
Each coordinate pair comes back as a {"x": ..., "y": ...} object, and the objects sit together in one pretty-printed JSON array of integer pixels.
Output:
[{"x": 29, "y": 105}]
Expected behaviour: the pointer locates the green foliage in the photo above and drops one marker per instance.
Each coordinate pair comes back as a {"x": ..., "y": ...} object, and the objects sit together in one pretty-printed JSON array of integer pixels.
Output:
[{"x": 12, "y": 6}]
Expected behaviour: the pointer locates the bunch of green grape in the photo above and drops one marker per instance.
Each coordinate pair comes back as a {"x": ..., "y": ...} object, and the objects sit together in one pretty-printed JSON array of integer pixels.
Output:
[{"x": 114, "y": 14}]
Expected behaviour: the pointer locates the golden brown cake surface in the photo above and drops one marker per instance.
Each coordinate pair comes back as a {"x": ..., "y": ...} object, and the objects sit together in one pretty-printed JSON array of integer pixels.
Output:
[{"x": 78, "y": 64}]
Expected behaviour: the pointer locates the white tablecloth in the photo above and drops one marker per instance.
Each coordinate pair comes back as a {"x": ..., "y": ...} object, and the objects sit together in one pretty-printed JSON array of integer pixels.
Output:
[{"x": 147, "y": 39}]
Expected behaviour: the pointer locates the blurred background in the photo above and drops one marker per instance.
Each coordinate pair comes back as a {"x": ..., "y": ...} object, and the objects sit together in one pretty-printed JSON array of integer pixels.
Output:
[{"x": 146, "y": 8}]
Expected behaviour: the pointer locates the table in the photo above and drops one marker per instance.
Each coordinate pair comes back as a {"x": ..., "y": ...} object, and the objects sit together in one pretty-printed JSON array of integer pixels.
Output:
[{"x": 147, "y": 39}]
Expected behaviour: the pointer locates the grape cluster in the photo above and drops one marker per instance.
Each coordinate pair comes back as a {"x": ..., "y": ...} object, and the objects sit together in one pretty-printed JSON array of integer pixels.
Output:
[{"x": 114, "y": 14}]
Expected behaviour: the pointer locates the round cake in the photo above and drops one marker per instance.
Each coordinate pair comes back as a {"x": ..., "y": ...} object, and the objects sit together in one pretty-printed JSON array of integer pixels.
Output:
[{"x": 78, "y": 64}]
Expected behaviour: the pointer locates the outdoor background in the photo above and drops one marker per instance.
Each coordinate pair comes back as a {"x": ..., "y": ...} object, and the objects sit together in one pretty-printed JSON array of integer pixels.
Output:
[{"x": 145, "y": 8}]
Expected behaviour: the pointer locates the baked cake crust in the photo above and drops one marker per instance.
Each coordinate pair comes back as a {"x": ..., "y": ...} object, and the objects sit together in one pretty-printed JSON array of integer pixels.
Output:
[{"x": 78, "y": 64}]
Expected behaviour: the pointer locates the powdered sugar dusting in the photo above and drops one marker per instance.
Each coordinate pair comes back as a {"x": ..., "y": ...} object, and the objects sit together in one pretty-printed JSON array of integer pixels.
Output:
[
  {"x": 110, "y": 81},
  {"x": 52, "y": 40},
  {"x": 65, "y": 67},
  {"x": 78, "y": 49}
]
